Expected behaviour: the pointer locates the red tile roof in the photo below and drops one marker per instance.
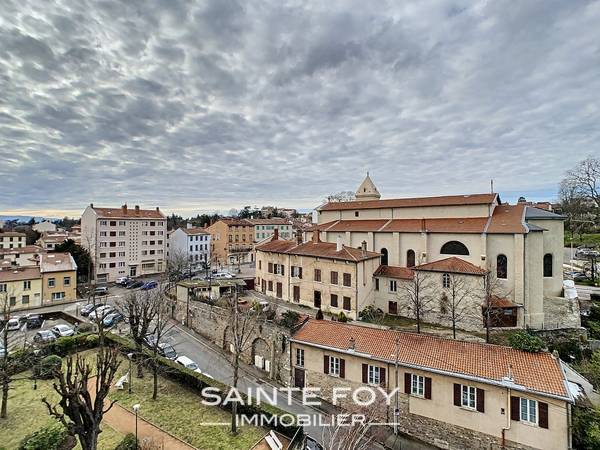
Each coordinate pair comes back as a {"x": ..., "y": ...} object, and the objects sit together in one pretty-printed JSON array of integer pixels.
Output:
[
  {"x": 25, "y": 249},
  {"x": 402, "y": 273},
  {"x": 272, "y": 221},
  {"x": 507, "y": 219},
  {"x": 453, "y": 265},
  {"x": 276, "y": 246},
  {"x": 235, "y": 221},
  {"x": 128, "y": 213},
  {"x": 20, "y": 273},
  {"x": 439, "y": 225},
  {"x": 502, "y": 302},
  {"x": 538, "y": 372},
  {"x": 194, "y": 231},
  {"x": 317, "y": 250},
  {"x": 448, "y": 200},
  {"x": 12, "y": 234}
]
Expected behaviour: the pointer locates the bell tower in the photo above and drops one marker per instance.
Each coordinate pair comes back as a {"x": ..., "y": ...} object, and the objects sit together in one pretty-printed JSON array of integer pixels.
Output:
[{"x": 367, "y": 190}]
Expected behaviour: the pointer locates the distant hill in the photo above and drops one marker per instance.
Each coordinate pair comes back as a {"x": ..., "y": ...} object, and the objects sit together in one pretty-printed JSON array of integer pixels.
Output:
[{"x": 27, "y": 218}]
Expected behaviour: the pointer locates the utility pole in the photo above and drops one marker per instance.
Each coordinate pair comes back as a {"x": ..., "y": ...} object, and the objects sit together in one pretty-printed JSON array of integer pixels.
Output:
[{"x": 397, "y": 409}]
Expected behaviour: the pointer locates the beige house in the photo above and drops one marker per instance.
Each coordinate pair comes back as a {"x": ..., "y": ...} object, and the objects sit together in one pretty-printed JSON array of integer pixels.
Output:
[
  {"x": 44, "y": 226},
  {"x": 124, "y": 241},
  {"x": 520, "y": 245},
  {"x": 231, "y": 241},
  {"x": 22, "y": 287},
  {"x": 59, "y": 277},
  {"x": 12, "y": 239},
  {"x": 326, "y": 276},
  {"x": 451, "y": 394},
  {"x": 49, "y": 240},
  {"x": 28, "y": 255}
]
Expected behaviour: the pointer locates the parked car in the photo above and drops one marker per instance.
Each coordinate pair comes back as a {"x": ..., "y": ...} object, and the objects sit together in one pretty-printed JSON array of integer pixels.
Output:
[
  {"x": 44, "y": 336},
  {"x": 188, "y": 363},
  {"x": 34, "y": 321},
  {"x": 149, "y": 285},
  {"x": 123, "y": 281},
  {"x": 311, "y": 444},
  {"x": 2, "y": 352},
  {"x": 149, "y": 340},
  {"x": 13, "y": 324},
  {"x": 135, "y": 284},
  {"x": 166, "y": 350},
  {"x": 62, "y": 330},
  {"x": 112, "y": 319},
  {"x": 87, "y": 309},
  {"x": 101, "y": 290},
  {"x": 222, "y": 275},
  {"x": 100, "y": 313}
]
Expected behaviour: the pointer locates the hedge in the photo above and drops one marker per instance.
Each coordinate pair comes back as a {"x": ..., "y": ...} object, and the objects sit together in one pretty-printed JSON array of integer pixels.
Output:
[
  {"x": 198, "y": 381},
  {"x": 51, "y": 437}
]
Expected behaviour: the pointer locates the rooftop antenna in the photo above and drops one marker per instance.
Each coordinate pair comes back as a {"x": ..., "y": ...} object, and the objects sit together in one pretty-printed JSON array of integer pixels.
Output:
[{"x": 492, "y": 185}]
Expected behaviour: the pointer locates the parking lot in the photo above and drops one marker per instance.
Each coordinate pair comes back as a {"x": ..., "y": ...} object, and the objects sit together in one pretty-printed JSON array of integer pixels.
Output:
[{"x": 23, "y": 337}]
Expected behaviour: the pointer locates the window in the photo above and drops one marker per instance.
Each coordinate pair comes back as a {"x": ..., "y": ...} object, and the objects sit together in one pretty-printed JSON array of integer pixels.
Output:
[
  {"x": 113, "y": 223},
  {"x": 51, "y": 282},
  {"x": 347, "y": 279},
  {"x": 468, "y": 397},
  {"x": 334, "y": 366},
  {"x": 334, "y": 300},
  {"x": 393, "y": 285},
  {"x": 454, "y": 248},
  {"x": 270, "y": 268},
  {"x": 317, "y": 274},
  {"x": 300, "y": 357},
  {"x": 384, "y": 256},
  {"x": 548, "y": 265},
  {"x": 356, "y": 213},
  {"x": 347, "y": 306},
  {"x": 26, "y": 285},
  {"x": 296, "y": 272},
  {"x": 67, "y": 281},
  {"x": 260, "y": 265},
  {"x": 393, "y": 308},
  {"x": 113, "y": 234},
  {"x": 122, "y": 224},
  {"x": 417, "y": 385},
  {"x": 334, "y": 278},
  {"x": 410, "y": 258},
  {"x": 446, "y": 280},
  {"x": 374, "y": 375},
  {"x": 376, "y": 284},
  {"x": 103, "y": 222},
  {"x": 103, "y": 234},
  {"x": 2, "y": 287},
  {"x": 270, "y": 288},
  {"x": 25, "y": 299},
  {"x": 58, "y": 295},
  {"x": 317, "y": 299},
  {"x": 501, "y": 267},
  {"x": 529, "y": 411}
]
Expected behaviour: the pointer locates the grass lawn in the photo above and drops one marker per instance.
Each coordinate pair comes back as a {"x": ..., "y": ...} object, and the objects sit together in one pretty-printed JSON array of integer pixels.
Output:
[
  {"x": 27, "y": 413},
  {"x": 586, "y": 238},
  {"x": 179, "y": 411}
]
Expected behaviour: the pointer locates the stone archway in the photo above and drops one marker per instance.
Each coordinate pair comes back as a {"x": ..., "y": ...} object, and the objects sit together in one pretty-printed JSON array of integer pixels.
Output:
[{"x": 261, "y": 354}]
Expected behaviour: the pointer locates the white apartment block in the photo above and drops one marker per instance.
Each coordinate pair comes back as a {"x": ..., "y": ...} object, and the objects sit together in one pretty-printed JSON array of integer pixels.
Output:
[
  {"x": 264, "y": 228},
  {"x": 190, "y": 243},
  {"x": 12, "y": 239},
  {"x": 124, "y": 241}
]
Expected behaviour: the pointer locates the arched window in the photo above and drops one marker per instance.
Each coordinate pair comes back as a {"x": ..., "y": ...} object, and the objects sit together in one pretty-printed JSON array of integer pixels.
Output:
[
  {"x": 446, "y": 280},
  {"x": 454, "y": 248},
  {"x": 410, "y": 258},
  {"x": 501, "y": 267},
  {"x": 548, "y": 265},
  {"x": 384, "y": 256}
]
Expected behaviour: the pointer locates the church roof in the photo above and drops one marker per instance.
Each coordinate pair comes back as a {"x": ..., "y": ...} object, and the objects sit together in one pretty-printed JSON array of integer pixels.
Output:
[
  {"x": 367, "y": 190},
  {"x": 446, "y": 200}
]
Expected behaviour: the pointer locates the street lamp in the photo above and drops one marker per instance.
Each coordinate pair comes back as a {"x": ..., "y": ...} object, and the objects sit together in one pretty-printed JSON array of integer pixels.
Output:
[
  {"x": 130, "y": 357},
  {"x": 136, "y": 408}
]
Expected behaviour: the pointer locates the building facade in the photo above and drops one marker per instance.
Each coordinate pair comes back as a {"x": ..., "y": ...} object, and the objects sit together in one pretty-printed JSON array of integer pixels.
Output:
[
  {"x": 22, "y": 287},
  {"x": 264, "y": 228},
  {"x": 124, "y": 241},
  {"x": 59, "y": 277},
  {"x": 12, "y": 239},
  {"x": 231, "y": 241},
  {"x": 521, "y": 246},
  {"x": 49, "y": 240},
  {"x": 191, "y": 243},
  {"x": 451, "y": 394},
  {"x": 44, "y": 226},
  {"x": 28, "y": 255}
]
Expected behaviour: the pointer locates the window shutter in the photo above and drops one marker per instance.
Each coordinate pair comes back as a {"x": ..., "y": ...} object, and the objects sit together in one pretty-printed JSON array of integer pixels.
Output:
[
  {"x": 300, "y": 272},
  {"x": 457, "y": 394},
  {"x": 365, "y": 373},
  {"x": 480, "y": 400},
  {"x": 382, "y": 375},
  {"x": 428, "y": 388},
  {"x": 515, "y": 408},
  {"x": 270, "y": 268},
  {"x": 282, "y": 269},
  {"x": 326, "y": 364},
  {"x": 342, "y": 368},
  {"x": 407, "y": 383},
  {"x": 543, "y": 413}
]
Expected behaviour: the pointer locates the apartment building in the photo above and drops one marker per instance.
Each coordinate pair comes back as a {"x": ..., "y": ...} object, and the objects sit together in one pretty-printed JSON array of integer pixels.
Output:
[
  {"x": 264, "y": 228},
  {"x": 326, "y": 276},
  {"x": 191, "y": 243},
  {"x": 12, "y": 239},
  {"x": 231, "y": 241},
  {"x": 49, "y": 240},
  {"x": 124, "y": 241},
  {"x": 451, "y": 394}
]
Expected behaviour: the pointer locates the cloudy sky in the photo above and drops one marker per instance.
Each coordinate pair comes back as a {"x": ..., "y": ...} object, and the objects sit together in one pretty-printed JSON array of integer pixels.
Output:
[{"x": 216, "y": 104}]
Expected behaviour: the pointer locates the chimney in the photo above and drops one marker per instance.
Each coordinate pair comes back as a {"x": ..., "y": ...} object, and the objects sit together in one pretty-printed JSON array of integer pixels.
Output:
[
  {"x": 124, "y": 208},
  {"x": 137, "y": 209},
  {"x": 157, "y": 209},
  {"x": 352, "y": 344},
  {"x": 91, "y": 205},
  {"x": 316, "y": 238},
  {"x": 299, "y": 237},
  {"x": 275, "y": 234},
  {"x": 363, "y": 247},
  {"x": 338, "y": 244},
  {"x": 205, "y": 225},
  {"x": 188, "y": 225}
]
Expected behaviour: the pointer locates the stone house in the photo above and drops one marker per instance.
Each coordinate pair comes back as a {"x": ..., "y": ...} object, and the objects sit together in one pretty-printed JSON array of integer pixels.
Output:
[{"x": 451, "y": 394}]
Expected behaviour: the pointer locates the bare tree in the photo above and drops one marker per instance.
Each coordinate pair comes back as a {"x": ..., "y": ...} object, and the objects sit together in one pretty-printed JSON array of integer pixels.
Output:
[
  {"x": 415, "y": 296},
  {"x": 242, "y": 326},
  {"x": 584, "y": 180},
  {"x": 160, "y": 327},
  {"x": 82, "y": 399},
  {"x": 6, "y": 364},
  {"x": 342, "y": 196},
  {"x": 178, "y": 266},
  {"x": 457, "y": 302},
  {"x": 350, "y": 435},
  {"x": 492, "y": 292}
]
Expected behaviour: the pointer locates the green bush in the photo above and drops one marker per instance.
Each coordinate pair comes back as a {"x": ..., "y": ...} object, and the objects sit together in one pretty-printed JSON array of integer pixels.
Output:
[
  {"x": 590, "y": 369},
  {"x": 289, "y": 319},
  {"x": 85, "y": 327},
  {"x": 371, "y": 314},
  {"x": 128, "y": 443},
  {"x": 342, "y": 317},
  {"x": 586, "y": 428},
  {"x": 47, "y": 366},
  {"x": 51, "y": 437},
  {"x": 92, "y": 340},
  {"x": 522, "y": 340},
  {"x": 319, "y": 315}
]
